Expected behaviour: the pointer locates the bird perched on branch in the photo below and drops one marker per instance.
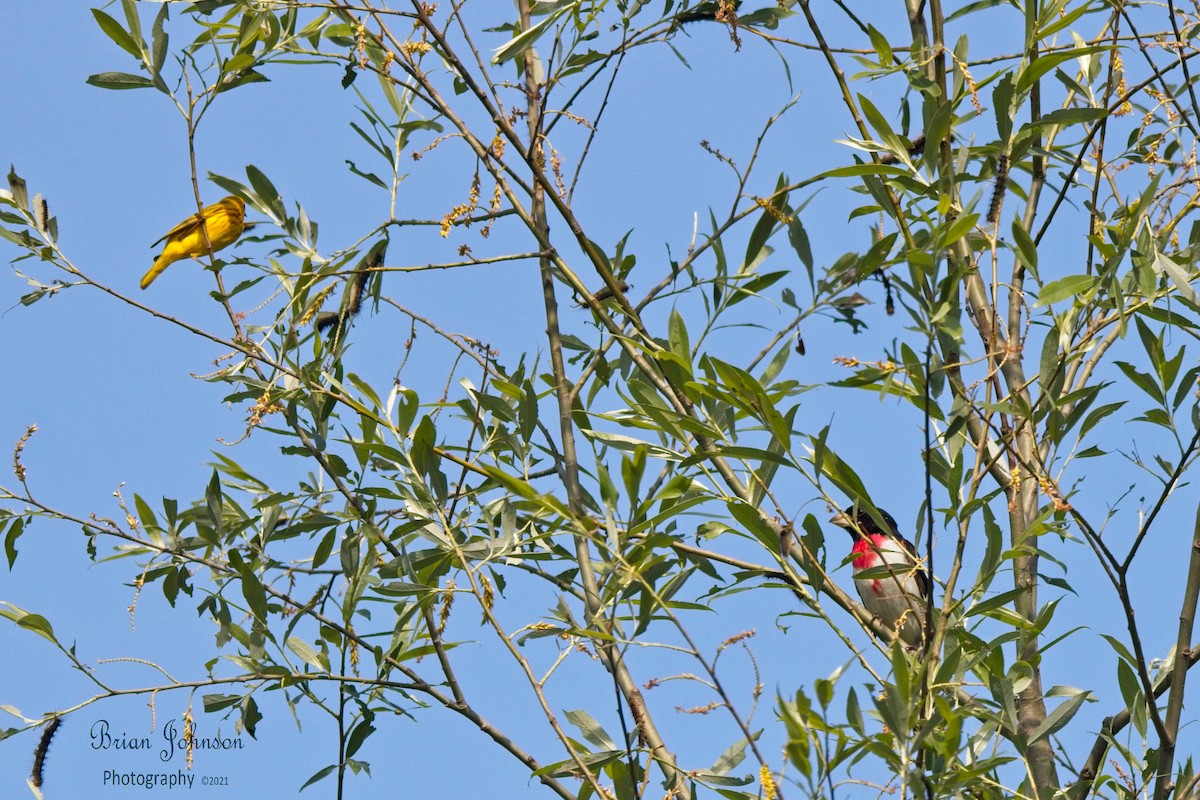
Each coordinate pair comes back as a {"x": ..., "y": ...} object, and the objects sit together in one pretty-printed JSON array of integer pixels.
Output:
[
  {"x": 224, "y": 221},
  {"x": 890, "y": 578}
]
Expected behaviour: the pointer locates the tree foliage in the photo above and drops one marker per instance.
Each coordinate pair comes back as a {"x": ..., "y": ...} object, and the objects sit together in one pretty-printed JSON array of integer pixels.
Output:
[{"x": 1022, "y": 212}]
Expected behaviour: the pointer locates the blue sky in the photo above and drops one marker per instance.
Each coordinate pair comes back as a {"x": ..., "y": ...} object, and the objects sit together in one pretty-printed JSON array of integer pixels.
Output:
[{"x": 117, "y": 401}]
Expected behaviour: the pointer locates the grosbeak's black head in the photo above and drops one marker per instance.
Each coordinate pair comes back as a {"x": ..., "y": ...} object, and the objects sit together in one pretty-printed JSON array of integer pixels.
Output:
[{"x": 859, "y": 523}]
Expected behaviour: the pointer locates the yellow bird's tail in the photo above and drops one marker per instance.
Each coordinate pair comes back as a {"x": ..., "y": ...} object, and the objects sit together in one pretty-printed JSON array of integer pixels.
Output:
[{"x": 160, "y": 263}]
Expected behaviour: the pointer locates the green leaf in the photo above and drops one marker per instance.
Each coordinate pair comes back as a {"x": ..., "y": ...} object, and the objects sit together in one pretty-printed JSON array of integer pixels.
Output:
[
  {"x": 358, "y": 735},
  {"x": 813, "y": 540},
  {"x": 882, "y": 47},
  {"x": 119, "y": 80},
  {"x": 145, "y": 513},
  {"x": 861, "y": 170},
  {"x": 680, "y": 345},
  {"x": 217, "y": 702},
  {"x": 524, "y": 489},
  {"x": 1096, "y": 415},
  {"x": 798, "y": 238},
  {"x": 1026, "y": 249},
  {"x": 772, "y": 456},
  {"x": 1002, "y": 106},
  {"x": 1142, "y": 380},
  {"x": 1063, "y": 288},
  {"x": 526, "y": 39},
  {"x": 114, "y": 31},
  {"x": 1178, "y": 276},
  {"x": 20, "y": 192},
  {"x": 590, "y": 729},
  {"x": 350, "y": 553},
  {"x": 256, "y": 597},
  {"x": 424, "y": 458},
  {"x": 159, "y": 40},
  {"x": 214, "y": 503},
  {"x": 776, "y": 364},
  {"x": 323, "y": 549},
  {"x": 10, "y": 540},
  {"x": 266, "y": 191},
  {"x": 1050, "y": 24},
  {"x": 956, "y": 230},
  {"x": 1049, "y": 362},
  {"x": 751, "y": 520},
  {"x": 762, "y": 231},
  {"x": 888, "y": 137},
  {"x": 733, "y": 755},
  {"x": 1067, "y": 116},
  {"x": 237, "y": 63},
  {"x": 39, "y": 625},
  {"x": 994, "y": 602},
  {"x": 1033, "y": 72},
  {"x": 232, "y": 80},
  {"x": 306, "y": 653},
  {"x": 369, "y": 176},
  {"x": 1059, "y": 717},
  {"x": 318, "y": 775},
  {"x": 135, "y": 21},
  {"x": 845, "y": 478},
  {"x": 250, "y": 715}
]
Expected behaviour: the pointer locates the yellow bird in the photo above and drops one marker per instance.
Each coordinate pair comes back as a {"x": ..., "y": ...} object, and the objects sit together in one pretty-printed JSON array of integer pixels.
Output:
[{"x": 224, "y": 221}]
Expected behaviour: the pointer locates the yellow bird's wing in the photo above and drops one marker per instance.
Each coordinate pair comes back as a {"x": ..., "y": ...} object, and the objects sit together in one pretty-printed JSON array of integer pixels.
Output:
[
  {"x": 192, "y": 224},
  {"x": 185, "y": 228}
]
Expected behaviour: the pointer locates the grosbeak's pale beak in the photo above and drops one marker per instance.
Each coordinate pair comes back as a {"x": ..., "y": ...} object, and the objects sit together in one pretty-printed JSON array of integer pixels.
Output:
[{"x": 889, "y": 576}]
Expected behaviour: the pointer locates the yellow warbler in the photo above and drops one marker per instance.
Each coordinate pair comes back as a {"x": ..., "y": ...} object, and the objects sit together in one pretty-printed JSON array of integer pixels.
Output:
[{"x": 224, "y": 220}]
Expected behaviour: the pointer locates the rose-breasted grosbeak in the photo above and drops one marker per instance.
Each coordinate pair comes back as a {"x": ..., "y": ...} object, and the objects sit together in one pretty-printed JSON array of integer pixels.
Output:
[{"x": 888, "y": 574}]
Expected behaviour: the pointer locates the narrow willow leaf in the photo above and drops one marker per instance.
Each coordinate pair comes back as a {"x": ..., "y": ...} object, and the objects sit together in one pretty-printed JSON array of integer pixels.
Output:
[{"x": 1063, "y": 288}]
